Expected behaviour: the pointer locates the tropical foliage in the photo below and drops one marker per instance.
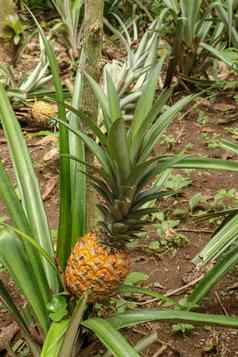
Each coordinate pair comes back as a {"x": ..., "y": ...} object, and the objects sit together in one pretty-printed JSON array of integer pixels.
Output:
[{"x": 139, "y": 98}]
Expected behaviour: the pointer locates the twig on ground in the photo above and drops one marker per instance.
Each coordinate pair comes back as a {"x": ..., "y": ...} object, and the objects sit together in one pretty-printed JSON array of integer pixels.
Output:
[
  {"x": 194, "y": 230},
  {"x": 51, "y": 184},
  {"x": 221, "y": 303},
  {"x": 161, "y": 350},
  {"x": 184, "y": 287}
]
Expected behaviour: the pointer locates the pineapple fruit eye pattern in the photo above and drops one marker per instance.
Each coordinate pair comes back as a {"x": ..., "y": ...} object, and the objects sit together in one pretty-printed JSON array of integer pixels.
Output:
[{"x": 96, "y": 268}]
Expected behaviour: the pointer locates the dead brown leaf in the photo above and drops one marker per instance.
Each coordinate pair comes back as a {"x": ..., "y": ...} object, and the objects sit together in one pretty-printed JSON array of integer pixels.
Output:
[
  {"x": 7, "y": 334},
  {"x": 51, "y": 183},
  {"x": 51, "y": 155}
]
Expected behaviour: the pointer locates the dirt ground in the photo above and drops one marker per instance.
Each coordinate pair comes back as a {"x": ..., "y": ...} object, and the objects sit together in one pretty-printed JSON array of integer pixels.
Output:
[{"x": 172, "y": 269}]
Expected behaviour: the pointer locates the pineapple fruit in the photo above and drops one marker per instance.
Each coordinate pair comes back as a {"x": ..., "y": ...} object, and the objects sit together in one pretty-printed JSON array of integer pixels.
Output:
[
  {"x": 42, "y": 111},
  {"x": 94, "y": 265},
  {"x": 99, "y": 262}
]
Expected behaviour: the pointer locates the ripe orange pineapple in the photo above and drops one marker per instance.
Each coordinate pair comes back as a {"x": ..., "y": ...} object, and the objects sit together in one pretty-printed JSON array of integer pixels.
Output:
[
  {"x": 99, "y": 262},
  {"x": 93, "y": 265}
]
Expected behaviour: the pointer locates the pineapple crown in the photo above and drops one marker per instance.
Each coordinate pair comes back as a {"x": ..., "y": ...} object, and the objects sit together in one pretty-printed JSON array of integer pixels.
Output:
[{"x": 124, "y": 153}]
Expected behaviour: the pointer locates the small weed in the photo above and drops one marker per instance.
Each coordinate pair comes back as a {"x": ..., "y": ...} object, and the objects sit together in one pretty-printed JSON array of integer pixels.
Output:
[
  {"x": 202, "y": 118},
  {"x": 235, "y": 97},
  {"x": 121, "y": 305},
  {"x": 225, "y": 198},
  {"x": 168, "y": 140},
  {"x": 182, "y": 329},
  {"x": 168, "y": 237},
  {"x": 177, "y": 182},
  {"x": 135, "y": 278},
  {"x": 221, "y": 200},
  {"x": 173, "y": 243},
  {"x": 114, "y": 305},
  {"x": 216, "y": 221},
  {"x": 212, "y": 141},
  {"x": 188, "y": 147},
  {"x": 233, "y": 132},
  {"x": 196, "y": 200}
]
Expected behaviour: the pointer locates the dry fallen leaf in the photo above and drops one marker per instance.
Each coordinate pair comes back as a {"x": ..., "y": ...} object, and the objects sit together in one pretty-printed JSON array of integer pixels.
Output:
[
  {"x": 51, "y": 183},
  {"x": 49, "y": 139},
  {"x": 51, "y": 155},
  {"x": 207, "y": 129},
  {"x": 7, "y": 334}
]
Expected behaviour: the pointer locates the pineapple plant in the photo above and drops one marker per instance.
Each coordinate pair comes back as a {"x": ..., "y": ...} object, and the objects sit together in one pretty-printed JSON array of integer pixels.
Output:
[{"x": 100, "y": 261}]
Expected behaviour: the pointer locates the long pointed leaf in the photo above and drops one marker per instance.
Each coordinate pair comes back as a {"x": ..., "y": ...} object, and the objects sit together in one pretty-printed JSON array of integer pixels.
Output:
[
  {"x": 220, "y": 55},
  {"x": 8, "y": 303},
  {"x": 149, "y": 120},
  {"x": 145, "y": 102},
  {"x": 102, "y": 100},
  {"x": 153, "y": 135},
  {"x": 220, "y": 242},
  {"x": 12, "y": 250},
  {"x": 19, "y": 220},
  {"x": 27, "y": 183},
  {"x": 206, "y": 163},
  {"x": 54, "y": 339},
  {"x": 64, "y": 229},
  {"x": 72, "y": 331},
  {"x": 88, "y": 122},
  {"x": 92, "y": 145},
  {"x": 225, "y": 264},
  {"x": 78, "y": 180},
  {"x": 118, "y": 145},
  {"x": 113, "y": 99},
  {"x": 111, "y": 338},
  {"x": 141, "y": 316},
  {"x": 228, "y": 145}
]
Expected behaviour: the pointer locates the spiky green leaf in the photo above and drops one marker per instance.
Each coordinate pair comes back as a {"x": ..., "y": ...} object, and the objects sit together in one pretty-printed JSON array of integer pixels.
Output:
[{"x": 111, "y": 338}]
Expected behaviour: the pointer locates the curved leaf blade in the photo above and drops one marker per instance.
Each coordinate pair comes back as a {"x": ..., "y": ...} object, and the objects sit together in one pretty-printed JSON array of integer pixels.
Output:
[
  {"x": 12, "y": 250},
  {"x": 78, "y": 179},
  {"x": 27, "y": 183},
  {"x": 102, "y": 100},
  {"x": 72, "y": 330},
  {"x": 141, "y": 316},
  {"x": 54, "y": 339},
  {"x": 19, "y": 220},
  {"x": 145, "y": 102},
  {"x": 206, "y": 163},
  {"x": 153, "y": 135},
  {"x": 113, "y": 99},
  {"x": 111, "y": 338},
  {"x": 118, "y": 147},
  {"x": 12, "y": 309},
  {"x": 213, "y": 276}
]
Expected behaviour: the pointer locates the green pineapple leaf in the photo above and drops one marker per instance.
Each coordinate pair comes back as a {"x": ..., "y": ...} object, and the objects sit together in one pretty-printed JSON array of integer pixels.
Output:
[
  {"x": 118, "y": 148},
  {"x": 113, "y": 99},
  {"x": 145, "y": 102},
  {"x": 102, "y": 100}
]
